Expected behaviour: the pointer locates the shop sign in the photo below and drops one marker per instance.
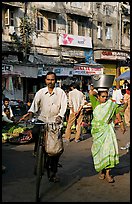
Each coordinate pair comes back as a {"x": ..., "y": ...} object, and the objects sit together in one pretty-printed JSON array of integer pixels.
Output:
[
  {"x": 7, "y": 68},
  {"x": 62, "y": 71},
  {"x": 114, "y": 55},
  {"x": 82, "y": 70},
  {"x": 109, "y": 71},
  {"x": 73, "y": 40},
  {"x": 42, "y": 71}
]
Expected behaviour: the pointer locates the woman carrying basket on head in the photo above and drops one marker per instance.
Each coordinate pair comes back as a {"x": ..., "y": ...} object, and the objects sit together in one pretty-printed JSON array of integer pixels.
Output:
[{"x": 104, "y": 148}]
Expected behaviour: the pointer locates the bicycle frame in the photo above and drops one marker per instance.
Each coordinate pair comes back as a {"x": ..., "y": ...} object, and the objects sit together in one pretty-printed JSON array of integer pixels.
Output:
[
  {"x": 40, "y": 159},
  {"x": 40, "y": 163}
]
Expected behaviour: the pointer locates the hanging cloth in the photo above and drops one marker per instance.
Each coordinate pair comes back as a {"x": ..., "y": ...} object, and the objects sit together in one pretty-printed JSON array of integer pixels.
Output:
[
  {"x": 7, "y": 84},
  {"x": 11, "y": 89}
]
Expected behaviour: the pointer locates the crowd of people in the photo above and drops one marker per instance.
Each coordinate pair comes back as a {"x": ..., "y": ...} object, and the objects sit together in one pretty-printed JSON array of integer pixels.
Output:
[{"x": 51, "y": 104}]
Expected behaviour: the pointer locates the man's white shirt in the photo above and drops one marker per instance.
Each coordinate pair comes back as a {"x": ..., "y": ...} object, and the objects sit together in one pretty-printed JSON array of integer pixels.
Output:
[{"x": 49, "y": 106}]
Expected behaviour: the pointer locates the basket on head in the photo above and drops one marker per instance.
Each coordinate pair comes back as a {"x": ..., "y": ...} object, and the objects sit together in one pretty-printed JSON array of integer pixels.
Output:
[{"x": 102, "y": 81}]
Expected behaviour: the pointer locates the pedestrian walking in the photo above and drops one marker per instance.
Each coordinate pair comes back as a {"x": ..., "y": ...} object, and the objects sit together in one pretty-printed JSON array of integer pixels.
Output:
[
  {"x": 117, "y": 95},
  {"x": 127, "y": 110},
  {"x": 104, "y": 147},
  {"x": 76, "y": 102},
  {"x": 50, "y": 104}
]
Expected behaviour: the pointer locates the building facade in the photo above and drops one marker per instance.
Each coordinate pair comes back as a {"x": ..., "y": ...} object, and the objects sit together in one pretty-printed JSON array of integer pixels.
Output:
[
  {"x": 111, "y": 36},
  {"x": 62, "y": 37}
]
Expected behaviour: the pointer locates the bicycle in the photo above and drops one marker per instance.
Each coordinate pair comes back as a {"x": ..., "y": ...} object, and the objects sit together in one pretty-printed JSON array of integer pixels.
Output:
[{"x": 41, "y": 158}]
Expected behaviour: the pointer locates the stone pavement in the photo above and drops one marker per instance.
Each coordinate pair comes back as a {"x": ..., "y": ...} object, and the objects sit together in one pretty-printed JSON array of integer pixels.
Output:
[
  {"x": 79, "y": 181},
  {"x": 84, "y": 185}
]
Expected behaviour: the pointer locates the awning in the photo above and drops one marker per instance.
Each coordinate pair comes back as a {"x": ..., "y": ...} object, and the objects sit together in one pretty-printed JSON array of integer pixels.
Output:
[
  {"x": 12, "y": 73},
  {"x": 14, "y": 4},
  {"x": 27, "y": 71},
  {"x": 124, "y": 76}
]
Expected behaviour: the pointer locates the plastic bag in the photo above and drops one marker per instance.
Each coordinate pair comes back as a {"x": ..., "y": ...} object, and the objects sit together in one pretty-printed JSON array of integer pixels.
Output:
[{"x": 53, "y": 140}]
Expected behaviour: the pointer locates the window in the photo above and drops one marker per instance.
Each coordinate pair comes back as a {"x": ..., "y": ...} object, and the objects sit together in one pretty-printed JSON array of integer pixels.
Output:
[
  {"x": 99, "y": 7},
  {"x": 52, "y": 25},
  {"x": 81, "y": 29},
  {"x": 9, "y": 17},
  {"x": 70, "y": 26},
  {"x": 40, "y": 23},
  {"x": 126, "y": 28},
  {"x": 108, "y": 31},
  {"x": 108, "y": 10},
  {"x": 99, "y": 30},
  {"x": 7, "y": 20}
]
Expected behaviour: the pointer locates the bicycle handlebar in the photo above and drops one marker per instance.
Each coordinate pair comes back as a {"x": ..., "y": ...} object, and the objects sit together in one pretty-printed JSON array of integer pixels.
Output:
[{"x": 36, "y": 122}]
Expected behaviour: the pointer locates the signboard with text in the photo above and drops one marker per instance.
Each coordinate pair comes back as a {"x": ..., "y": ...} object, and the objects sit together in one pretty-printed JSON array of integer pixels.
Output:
[
  {"x": 73, "y": 40},
  {"x": 114, "y": 55},
  {"x": 83, "y": 70},
  {"x": 62, "y": 71},
  {"x": 7, "y": 68}
]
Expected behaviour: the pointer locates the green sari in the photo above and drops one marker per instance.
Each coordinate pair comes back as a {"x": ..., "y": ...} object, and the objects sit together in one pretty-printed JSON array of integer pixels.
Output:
[{"x": 104, "y": 148}]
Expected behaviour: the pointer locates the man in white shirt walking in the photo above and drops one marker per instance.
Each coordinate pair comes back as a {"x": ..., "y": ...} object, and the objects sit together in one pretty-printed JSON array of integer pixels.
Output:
[
  {"x": 76, "y": 102},
  {"x": 117, "y": 95}
]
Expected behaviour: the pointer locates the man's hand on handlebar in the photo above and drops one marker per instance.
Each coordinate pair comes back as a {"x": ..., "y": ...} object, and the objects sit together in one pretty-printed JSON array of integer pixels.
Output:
[{"x": 26, "y": 116}]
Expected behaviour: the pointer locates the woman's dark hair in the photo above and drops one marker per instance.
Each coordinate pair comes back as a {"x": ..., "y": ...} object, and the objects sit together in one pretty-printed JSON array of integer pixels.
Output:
[
  {"x": 100, "y": 92},
  {"x": 49, "y": 73}
]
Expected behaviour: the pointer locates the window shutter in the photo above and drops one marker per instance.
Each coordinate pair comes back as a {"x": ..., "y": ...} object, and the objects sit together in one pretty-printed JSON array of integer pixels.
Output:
[{"x": 7, "y": 17}]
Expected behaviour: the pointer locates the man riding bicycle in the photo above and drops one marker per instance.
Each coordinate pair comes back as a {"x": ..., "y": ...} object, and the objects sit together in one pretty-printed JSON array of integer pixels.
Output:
[{"x": 50, "y": 104}]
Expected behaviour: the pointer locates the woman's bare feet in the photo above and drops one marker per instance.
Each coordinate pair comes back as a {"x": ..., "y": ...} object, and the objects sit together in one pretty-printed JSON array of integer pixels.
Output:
[
  {"x": 102, "y": 175},
  {"x": 109, "y": 177}
]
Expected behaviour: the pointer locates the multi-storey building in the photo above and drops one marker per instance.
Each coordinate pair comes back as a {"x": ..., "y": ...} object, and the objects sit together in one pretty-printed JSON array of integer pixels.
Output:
[
  {"x": 111, "y": 35},
  {"x": 74, "y": 39}
]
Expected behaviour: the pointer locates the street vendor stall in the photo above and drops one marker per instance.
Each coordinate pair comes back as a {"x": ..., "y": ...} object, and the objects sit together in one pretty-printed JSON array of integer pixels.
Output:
[{"x": 17, "y": 134}]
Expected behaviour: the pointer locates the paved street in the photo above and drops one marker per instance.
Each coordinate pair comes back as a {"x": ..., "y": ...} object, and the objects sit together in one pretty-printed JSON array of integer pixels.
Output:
[{"x": 79, "y": 181}]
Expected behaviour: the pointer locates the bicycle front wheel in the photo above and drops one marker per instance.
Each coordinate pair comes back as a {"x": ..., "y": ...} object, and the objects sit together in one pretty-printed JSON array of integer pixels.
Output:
[{"x": 39, "y": 170}]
